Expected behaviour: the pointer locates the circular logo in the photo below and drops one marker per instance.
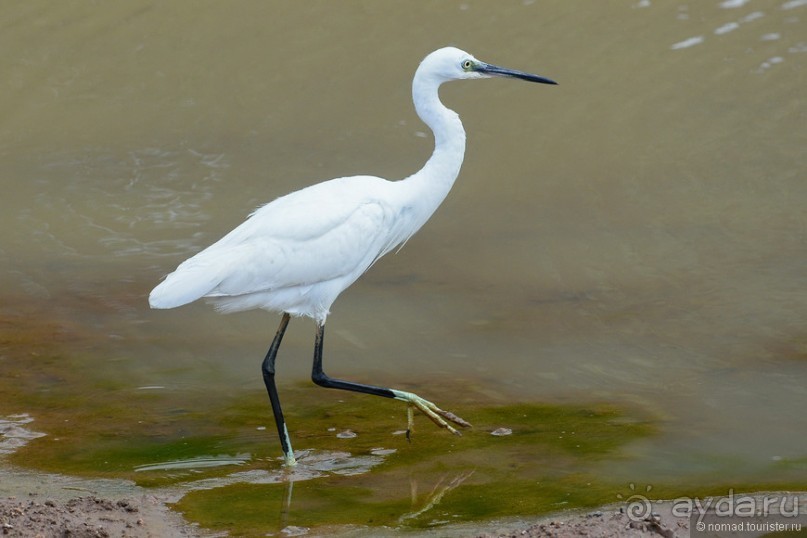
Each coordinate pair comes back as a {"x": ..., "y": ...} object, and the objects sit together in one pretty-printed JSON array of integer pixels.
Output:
[{"x": 638, "y": 507}]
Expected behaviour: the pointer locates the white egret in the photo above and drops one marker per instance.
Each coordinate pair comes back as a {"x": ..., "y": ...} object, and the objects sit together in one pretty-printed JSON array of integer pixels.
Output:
[{"x": 295, "y": 255}]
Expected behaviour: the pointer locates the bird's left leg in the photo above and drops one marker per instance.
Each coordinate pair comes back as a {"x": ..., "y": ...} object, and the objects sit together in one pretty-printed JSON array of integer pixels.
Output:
[
  {"x": 268, "y": 369},
  {"x": 437, "y": 415}
]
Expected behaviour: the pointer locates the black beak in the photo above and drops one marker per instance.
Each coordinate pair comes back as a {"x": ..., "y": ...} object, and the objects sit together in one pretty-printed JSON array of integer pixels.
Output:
[{"x": 495, "y": 70}]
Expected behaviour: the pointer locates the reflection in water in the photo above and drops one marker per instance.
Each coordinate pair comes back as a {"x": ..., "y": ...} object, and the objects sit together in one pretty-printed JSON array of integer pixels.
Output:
[{"x": 433, "y": 498}]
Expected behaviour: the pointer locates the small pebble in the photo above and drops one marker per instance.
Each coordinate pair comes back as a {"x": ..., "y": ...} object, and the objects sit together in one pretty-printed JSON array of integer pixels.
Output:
[
  {"x": 500, "y": 432},
  {"x": 347, "y": 434}
]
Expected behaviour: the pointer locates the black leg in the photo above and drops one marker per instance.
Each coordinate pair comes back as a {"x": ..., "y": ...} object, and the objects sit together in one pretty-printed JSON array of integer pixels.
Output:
[
  {"x": 268, "y": 369},
  {"x": 437, "y": 415},
  {"x": 320, "y": 378}
]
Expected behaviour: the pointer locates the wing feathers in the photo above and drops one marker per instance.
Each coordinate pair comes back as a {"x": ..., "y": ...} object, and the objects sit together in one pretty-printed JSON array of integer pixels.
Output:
[{"x": 310, "y": 237}]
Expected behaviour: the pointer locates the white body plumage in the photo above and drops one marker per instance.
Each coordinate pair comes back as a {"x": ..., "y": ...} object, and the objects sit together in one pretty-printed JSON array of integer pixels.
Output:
[{"x": 299, "y": 252}]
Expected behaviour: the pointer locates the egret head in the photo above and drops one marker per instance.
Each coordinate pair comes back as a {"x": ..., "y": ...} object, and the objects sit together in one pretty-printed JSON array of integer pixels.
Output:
[{"x": 451, "y": 63}]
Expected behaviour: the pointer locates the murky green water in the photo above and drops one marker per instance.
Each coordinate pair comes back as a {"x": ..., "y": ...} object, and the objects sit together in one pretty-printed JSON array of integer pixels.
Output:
[{"x": 624, "y": 252}]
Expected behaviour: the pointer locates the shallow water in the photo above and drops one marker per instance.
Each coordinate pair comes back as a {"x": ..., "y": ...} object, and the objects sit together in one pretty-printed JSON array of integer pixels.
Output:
[{"x": 633, "y": 237}]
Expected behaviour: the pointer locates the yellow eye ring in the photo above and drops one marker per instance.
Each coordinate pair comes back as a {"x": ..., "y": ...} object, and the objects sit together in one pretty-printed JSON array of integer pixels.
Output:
[{"x": 467, "y": 64}]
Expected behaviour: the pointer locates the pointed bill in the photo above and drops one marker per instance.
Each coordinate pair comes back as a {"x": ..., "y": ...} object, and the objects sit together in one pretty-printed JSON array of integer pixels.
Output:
[{"x": 496, "y": 71}]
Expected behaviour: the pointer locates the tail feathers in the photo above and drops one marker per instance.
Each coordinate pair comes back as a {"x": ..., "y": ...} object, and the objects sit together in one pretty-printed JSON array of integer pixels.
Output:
[{"x": 183, "y": 286}]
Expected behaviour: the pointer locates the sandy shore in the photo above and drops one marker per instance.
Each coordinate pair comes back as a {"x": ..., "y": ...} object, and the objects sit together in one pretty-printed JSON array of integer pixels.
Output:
[
  {"x": 148, "y": 516},
  {"x": 92, "y": 517}
]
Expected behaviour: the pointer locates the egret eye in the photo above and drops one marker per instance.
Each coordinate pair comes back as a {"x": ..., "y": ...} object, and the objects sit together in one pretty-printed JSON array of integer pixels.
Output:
[{"x": 467, "y": 64}]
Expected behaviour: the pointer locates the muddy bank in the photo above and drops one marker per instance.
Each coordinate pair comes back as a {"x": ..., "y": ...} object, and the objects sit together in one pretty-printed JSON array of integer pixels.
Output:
[
  {"x": 148, "y": 516},
  {"x": 607, "y": 522},
  {"x": 90, "y": 517},
  {"x": 93, "y": 517}
]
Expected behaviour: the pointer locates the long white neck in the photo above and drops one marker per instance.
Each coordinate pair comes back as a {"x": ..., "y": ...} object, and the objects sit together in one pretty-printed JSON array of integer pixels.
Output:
[
  {"x": 431, "y": 184},
  {"x": 449, "y": 135}
]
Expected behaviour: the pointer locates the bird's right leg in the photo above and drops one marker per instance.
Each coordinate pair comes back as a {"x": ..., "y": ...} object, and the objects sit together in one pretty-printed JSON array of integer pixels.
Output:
[
  {"x": 268, "y": 369},
  {"x": 413, "y": 401}
]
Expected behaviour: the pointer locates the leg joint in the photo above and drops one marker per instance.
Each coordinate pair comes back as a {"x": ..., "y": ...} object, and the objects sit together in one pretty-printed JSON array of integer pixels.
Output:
[{"x": 319, "y": 378}]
